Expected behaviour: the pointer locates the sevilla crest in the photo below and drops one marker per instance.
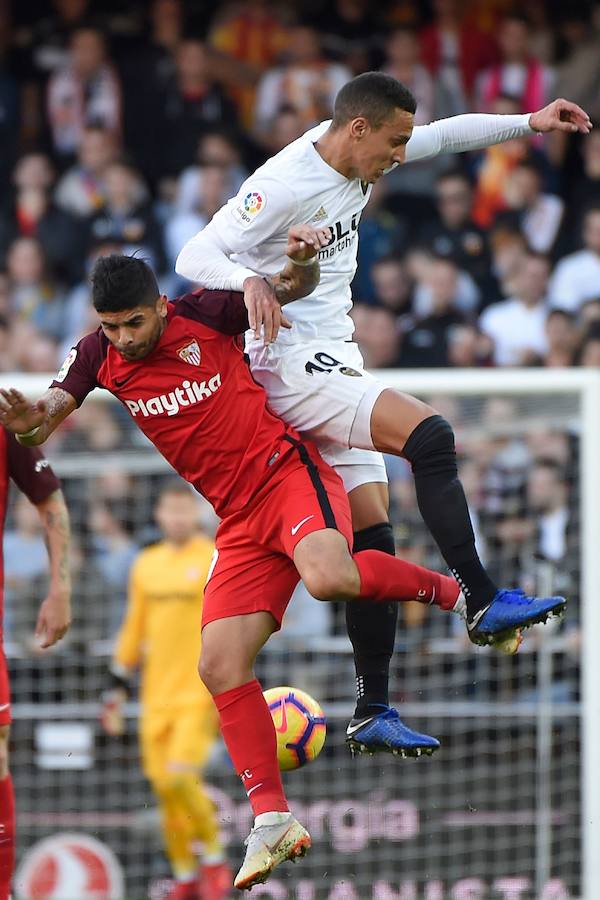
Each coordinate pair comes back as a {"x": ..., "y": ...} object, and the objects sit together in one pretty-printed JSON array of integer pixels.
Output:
[{"x": 190, "y": 353}]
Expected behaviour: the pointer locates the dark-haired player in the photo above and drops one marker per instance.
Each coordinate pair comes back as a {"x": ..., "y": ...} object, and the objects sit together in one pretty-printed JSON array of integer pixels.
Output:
[
  {"x": 180, "y": 371},
  {"x": 32, "y": 474},
  {"x": 314, "y": 373}
]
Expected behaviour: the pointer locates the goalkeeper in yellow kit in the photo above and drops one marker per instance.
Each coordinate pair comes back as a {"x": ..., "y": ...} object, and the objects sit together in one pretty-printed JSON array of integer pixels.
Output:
[{"x": 178, "y": 722}]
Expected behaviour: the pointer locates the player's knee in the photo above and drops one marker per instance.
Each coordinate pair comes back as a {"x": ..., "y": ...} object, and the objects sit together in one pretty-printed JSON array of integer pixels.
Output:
[
  {"x": 219, "y": 672},
  {"x": 329, "y": 582},
  {"x": 4, "y": 731},
  {"x": 430, "y": 448},
  {"x": 169, "y": 785}
]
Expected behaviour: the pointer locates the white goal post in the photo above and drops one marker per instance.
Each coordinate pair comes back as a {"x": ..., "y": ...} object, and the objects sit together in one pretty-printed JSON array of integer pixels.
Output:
[{"x": 581, "y": 387}]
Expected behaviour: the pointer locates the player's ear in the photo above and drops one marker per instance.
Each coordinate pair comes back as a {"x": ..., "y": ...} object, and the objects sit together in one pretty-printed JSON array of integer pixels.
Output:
[
  {"x": 161, "y": 306},
  {"x": 359, "y": 127}
]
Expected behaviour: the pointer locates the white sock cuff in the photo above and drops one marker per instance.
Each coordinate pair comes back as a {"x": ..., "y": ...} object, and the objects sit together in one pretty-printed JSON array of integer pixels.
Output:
[{"x": 271, "y": 818}]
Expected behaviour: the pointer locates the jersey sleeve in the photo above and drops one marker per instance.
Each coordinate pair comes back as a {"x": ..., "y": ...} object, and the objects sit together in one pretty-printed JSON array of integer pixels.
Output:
[
  {"x": 78, "y": 373},
  {"x": 130, "y": 638},
  {"x": 263, "y": 207},
  {"x": 471, "y": 131},
  {"x": 222, "y": 311},
  {"x": 30, "y": 471}
]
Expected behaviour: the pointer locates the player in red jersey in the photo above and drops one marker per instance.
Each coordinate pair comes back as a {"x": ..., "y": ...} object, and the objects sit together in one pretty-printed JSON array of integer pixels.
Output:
[
  {"x": 180, "y": 371},
  {"x": 33, "y": 475}
]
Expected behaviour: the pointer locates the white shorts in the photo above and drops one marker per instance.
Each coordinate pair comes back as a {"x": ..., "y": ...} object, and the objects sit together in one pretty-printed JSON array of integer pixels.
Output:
[{"x": 322, "y": 389}]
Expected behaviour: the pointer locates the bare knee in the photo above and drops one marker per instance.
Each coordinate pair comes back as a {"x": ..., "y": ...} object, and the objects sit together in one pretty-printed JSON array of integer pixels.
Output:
[
  {"x": 329, "y": 582},
  {"x": 4, "y": 733},
  {"x": 220, "y": 672}
]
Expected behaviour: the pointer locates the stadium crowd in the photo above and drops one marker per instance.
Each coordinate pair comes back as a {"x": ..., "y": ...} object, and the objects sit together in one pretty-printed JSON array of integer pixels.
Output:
[{"x": 125, "y": 130}]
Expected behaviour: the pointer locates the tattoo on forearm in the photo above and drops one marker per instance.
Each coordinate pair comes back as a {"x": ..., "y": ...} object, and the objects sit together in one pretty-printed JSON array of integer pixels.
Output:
[
  {"x": 295, "y": 282},
  {"x": 56, "y": 401},
  {"x": 56, "y": 520}
]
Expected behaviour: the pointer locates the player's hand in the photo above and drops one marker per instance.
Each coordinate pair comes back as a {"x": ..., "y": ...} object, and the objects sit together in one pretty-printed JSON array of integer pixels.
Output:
[
  {"x": 561, "y": 115},
  {"x": 111, "y": 713},
  {"x": 263, "y": 308},
  {"x": 17, "y": 414},
  {"x": 53, "y": 619},
  {"x": 304, "y": 241}
]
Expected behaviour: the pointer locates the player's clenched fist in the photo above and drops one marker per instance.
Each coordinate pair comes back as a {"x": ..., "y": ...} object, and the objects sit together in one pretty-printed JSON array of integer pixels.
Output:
[{"x": 304, "y": 242}]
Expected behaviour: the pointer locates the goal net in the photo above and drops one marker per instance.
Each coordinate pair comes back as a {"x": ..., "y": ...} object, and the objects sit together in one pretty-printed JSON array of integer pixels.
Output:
[{"x": 509, "y": 807}]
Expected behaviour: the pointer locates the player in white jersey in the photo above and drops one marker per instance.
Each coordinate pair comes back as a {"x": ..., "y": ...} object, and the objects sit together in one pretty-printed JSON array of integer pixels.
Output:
[{"x": 313, "y": 371}]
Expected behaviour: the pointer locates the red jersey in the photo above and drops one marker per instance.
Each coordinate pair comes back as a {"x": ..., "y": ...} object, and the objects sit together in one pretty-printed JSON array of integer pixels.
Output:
[
  {"x": 193, "y": 396},
  {"x": 30, "y": 472}
]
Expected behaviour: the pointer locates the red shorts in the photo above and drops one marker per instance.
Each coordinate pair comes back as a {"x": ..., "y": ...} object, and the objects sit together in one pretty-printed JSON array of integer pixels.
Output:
[
  {"x": 5, "y": 717},
  {"x": 253, "y": 569}
]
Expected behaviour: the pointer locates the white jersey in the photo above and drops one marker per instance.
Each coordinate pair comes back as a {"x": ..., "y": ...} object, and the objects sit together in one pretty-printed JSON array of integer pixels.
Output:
[
  {"x": 248, "y": 235},
  {"x": 298, "y": 186}
]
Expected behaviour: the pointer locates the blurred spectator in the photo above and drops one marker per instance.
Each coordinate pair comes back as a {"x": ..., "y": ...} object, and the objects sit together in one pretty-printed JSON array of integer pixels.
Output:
[
  {"x": 31, "y": 213},
  {"x": 454, "y": 234},
  {"x": 562, "y": 338},
  {"x": 33, "y": 294},
  {"x": 86, "y": 91},
  {"x": 350, "y": 33},
  {"x": 590, "y": 350},
  {"x": 537, "y": 214},
  {"x": 81, "y": 190},
  {"x": 518, "y": 74},
  {"x": 285, "y": 128},
  {"x": 253, "y": 35},
  {"x": 192, "y": 104},
  {"x": 584, "y": 192},
  {"x": 577, "y": 276},
  {"x": 212, "y": 192},
  {"x": 48, "y": 39},
  {"x": 381, "y": 234},
  {"x": 578, "y": 74},
  {"x": 495, "y": 164},
  {"x": 307, "y": 82},
  {"x": 467, "y": 347},
  {"x": 402, "y": 61},
  {"x": 455, "y": 52},
  {"x": 509, "y": 249},
  {"x": 7, "y": 348},
  {"x": 426, "y": 344},
  {"x": 126, "y": 218},
  {"x": 392, "y": 286},
  {"x": 547, "y": 496},
  {"x": 378, "y": 335},
  {"x": 216, "y": 149},
  {"x": 517, "y": 325},
  {"x": 113, "y": 552},
  {"x": 33, "y": 351}
]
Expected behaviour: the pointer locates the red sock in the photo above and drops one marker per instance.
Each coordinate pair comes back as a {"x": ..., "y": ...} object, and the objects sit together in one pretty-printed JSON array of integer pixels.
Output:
[
  {"x": 7, "y": 835},
  {"x": 249, "y": 733},
  {"x": 384, "y": 578}
]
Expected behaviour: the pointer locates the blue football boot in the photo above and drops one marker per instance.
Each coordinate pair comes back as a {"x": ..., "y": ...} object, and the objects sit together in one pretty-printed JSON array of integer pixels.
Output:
[
  {"x": 387, "y": 733},
  {"x": 510, "y": 610}
]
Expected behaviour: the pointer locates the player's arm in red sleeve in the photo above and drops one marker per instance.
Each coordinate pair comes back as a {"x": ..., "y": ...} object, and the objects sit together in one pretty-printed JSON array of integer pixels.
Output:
[
  {"x": 33, "y": 423},
  {"x": 229, "y": 312},
  {"x": 34, "y": 476}
]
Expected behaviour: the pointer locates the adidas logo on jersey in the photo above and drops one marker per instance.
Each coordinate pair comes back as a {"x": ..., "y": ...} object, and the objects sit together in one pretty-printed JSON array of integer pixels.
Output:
[
  {"x": 319, "y": 215},
  {"x": 190, "y": 393}
]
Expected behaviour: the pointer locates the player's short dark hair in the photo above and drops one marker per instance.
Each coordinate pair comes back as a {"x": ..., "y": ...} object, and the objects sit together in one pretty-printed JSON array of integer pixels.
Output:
[
  {"x": 122, "y": 282},
  {"x": 373, "y": 95}
]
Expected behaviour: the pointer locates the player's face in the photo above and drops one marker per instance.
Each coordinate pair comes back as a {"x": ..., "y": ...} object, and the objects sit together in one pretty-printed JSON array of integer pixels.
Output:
[
  {"x": 377, "y": 149},
  {"x": 177, "y": 516},
  {"x": 135, "y": 332}
]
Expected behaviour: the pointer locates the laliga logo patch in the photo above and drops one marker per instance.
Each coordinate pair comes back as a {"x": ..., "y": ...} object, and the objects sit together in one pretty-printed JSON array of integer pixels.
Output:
[
  {"x": 253, "y": 202},
  {"x": 70, "y": 359},
  {"x": 190, "y": 353},
  {"x": 69, "y": 867}
]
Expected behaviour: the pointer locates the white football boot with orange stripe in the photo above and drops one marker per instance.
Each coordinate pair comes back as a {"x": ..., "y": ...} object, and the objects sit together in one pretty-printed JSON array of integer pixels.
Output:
[{"x": 269, "y": 845}]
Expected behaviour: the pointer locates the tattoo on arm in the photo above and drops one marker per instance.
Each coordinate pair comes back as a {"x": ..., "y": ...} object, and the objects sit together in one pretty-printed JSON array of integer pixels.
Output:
[
  {"x": 295, "y": 282},
  {"x": 55, "y": 517}
]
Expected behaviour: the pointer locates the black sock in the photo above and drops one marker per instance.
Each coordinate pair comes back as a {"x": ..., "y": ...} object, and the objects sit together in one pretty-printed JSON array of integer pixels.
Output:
[
  {"x": 442, "y": 503},
  {"x": 372, "y": 631}
]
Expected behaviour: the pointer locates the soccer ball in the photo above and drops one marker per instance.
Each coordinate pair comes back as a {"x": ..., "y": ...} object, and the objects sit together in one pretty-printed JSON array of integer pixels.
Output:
[{"x": 300, "y": 726}]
